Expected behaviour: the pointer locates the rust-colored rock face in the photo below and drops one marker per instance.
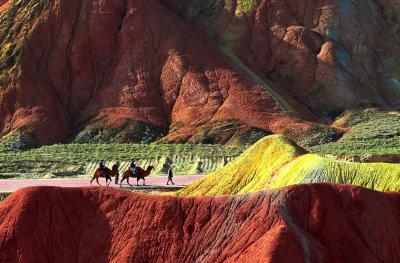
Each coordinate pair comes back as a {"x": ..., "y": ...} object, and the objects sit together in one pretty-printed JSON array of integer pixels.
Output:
[
  {"x": 307, "y": 223},
  {"x": 121, "y": 64},
  {"x": 330, "y": 55},
  {"x": 77, "y": 70}
]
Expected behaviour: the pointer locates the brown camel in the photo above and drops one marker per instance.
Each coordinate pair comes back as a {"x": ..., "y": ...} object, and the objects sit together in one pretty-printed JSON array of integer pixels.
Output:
[
  {"x": 140, "y": 174},
  {"x": 107, "y": 174}
]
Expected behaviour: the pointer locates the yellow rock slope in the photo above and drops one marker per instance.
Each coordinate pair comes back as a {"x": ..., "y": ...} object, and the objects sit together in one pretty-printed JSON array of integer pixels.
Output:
[{"x": 276, "y": 161}]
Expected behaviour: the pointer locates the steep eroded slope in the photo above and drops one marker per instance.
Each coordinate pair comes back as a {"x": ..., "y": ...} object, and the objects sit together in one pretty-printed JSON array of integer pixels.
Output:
[
  {"x": 330, "y": 55},
  {"x": 90, "y": 70}
]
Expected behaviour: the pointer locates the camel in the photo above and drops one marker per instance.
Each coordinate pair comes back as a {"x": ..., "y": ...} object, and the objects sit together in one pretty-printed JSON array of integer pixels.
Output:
[
  {"x": 107, "y": 174},
  {"x": 140, "y": 174}
]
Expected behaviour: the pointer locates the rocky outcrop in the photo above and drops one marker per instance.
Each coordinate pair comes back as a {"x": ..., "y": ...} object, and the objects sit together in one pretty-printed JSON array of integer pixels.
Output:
[
  {"x": 307, "y": 223},
  {"x": 385, "y": 158},
  {"x": 85, "y": 69},
  {"x": 330, "y": 55}
]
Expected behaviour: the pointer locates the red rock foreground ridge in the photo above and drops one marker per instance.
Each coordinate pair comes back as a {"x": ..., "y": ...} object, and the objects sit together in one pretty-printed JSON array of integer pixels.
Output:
[{"x": 304, "y": 223}]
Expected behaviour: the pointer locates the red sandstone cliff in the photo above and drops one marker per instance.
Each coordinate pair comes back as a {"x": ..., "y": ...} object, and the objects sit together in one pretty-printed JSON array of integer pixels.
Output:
[
  {"x": 82, "y": 66},
  {"x": 329, "y": 55},
  {"x": 307, "y": 223},
  {"x": 90, "y": 70}
]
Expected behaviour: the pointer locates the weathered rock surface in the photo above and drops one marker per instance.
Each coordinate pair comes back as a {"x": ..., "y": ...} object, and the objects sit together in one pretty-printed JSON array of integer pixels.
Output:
[
  {"x": 305, "y": 223},
  {"x": 88, "y": 70},
  {"x": 78, "y": 68},
  {"x": 330, "y": 55}
]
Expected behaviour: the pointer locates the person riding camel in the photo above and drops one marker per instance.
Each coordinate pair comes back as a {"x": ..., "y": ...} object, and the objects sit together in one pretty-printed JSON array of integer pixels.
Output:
[
  {"x": 102, "y": 168},
  {"x": 133, "y": 166}
]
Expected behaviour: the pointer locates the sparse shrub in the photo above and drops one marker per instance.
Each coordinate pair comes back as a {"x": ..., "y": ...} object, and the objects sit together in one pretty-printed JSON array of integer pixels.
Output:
[{"x": 18, "y": 140}]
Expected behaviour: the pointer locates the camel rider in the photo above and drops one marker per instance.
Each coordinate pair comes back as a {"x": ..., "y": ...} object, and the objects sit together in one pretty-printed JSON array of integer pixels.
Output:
[
  {"x": 133, "y": 166},
  {"x": 102, "y": 167}
]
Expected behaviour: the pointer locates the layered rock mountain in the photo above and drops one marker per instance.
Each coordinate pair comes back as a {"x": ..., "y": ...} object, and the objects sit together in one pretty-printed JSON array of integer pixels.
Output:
[
  {"x": 330, "y": 55},
  {"x": 308, "y": 223},
  {"x": 82, "y": 67},
  {"x": 199, "y": 71}
]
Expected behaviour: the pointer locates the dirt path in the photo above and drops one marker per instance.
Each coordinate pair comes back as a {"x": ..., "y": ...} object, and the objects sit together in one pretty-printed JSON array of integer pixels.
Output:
[{"x": 151, "y": 182}]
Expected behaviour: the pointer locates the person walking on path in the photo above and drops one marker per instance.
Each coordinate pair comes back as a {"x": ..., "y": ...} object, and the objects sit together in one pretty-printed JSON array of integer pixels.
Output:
[
  {"x": 117, "y": 175},
  {"x": 170, "y": 174}
]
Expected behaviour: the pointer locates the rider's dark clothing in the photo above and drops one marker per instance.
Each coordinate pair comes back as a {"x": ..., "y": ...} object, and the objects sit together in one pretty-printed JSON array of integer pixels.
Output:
[
  {"x": 133, "y": 167},
  {"x": 102, "y": 168}
]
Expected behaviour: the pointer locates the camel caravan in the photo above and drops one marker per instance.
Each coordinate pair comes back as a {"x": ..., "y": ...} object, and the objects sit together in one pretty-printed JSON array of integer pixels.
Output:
[{"x": 134, "y": 171}]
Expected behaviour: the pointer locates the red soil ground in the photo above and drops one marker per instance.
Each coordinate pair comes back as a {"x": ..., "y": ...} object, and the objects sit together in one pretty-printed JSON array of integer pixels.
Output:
[{"x": 306, "y": 223}]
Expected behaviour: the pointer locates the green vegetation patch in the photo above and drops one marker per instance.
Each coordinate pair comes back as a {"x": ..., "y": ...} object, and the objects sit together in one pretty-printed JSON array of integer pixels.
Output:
[
  {"x": 62, "y": 160},
  {"x": 318, "y": 135},
  {"x": 245, "y": 6},
  {"x": 131, "y": 131},
  {"x": 17, "y": 140},
  {"x": 229, "y": 132},
  {"x": 370, "y": 132}
]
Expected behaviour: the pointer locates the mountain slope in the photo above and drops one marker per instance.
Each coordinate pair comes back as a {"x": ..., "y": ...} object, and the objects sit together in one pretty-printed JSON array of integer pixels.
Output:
[
  {"x": 329, "y": 55},
  {"x": 87, "y": 70},
  {"x": 140, "y": 71},
  {"x": 78, "y": 225}
]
